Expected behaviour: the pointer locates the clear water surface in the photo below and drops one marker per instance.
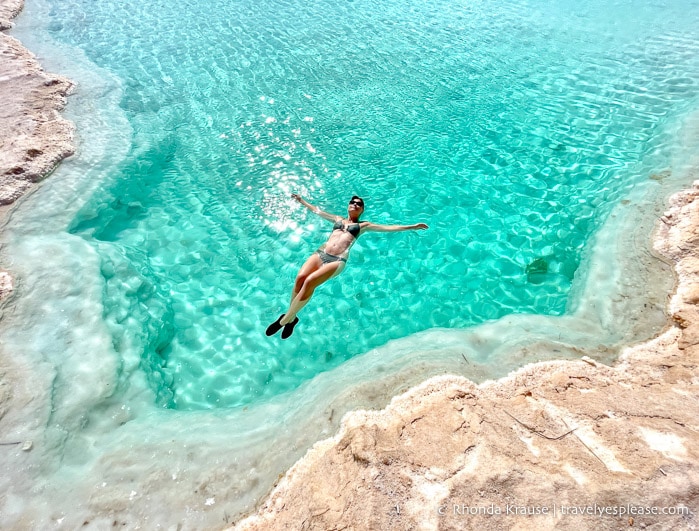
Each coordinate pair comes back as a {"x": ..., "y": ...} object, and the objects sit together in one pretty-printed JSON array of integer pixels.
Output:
[{"x": 511, "y": 128}]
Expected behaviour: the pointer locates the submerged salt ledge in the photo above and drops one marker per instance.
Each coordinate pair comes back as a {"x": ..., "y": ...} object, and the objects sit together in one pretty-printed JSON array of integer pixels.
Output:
[{"x": 102, "y": 452}]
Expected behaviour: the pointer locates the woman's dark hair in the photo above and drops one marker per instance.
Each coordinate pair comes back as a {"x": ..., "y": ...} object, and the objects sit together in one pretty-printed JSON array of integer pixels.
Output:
[{"x": 358, "y": 198}]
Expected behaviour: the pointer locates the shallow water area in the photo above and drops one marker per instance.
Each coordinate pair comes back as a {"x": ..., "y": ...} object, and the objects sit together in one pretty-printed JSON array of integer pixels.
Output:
[{"x": 151, "y": 263}]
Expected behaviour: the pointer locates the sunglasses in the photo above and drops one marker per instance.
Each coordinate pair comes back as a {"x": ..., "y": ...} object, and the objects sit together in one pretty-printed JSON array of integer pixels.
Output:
[{"x": 358, "y": 203}]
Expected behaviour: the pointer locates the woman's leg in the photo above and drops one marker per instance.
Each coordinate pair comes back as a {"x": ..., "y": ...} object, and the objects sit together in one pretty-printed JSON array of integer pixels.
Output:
[
  {"x": 306, "y": 285},
  {"x": 313, "y": 264}
]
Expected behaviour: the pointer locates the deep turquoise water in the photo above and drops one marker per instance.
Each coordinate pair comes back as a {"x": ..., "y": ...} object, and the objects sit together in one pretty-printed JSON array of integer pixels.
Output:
[{"x": 510, "y": 128}]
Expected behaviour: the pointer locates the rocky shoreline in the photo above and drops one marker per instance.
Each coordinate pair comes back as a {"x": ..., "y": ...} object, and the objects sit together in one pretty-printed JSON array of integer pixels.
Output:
[
  {"x": 555, "y": 445},
  {"x": 35, "y": 137}
]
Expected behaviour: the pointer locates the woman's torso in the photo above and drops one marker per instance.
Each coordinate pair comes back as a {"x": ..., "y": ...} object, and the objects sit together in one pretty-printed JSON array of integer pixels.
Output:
[{"x": 345, "y": 233}]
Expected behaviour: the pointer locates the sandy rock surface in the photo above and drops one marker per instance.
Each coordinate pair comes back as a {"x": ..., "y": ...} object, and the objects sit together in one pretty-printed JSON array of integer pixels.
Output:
[
  {"x": 9, "y": 9},
  {"x": 33, "y": 135},
  {"x": 555, "y": 445}
]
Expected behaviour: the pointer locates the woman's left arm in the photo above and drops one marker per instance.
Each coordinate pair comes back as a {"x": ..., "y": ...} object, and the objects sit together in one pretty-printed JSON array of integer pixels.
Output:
[{"x": 368, "y": 226}]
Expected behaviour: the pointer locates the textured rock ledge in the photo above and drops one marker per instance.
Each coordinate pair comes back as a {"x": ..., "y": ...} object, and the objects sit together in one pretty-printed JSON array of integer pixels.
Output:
[
  {"x": 551, "y": 435},
  {"x": 33, "y": 135},
  {"x": 9, "y": 9}
]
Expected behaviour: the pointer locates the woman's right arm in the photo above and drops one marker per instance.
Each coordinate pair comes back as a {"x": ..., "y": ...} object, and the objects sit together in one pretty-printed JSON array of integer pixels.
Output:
[{"x": 314, "y": 209}]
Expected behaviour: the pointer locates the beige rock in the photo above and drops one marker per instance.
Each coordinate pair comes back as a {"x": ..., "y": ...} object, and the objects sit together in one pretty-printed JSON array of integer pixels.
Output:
[
  {"x": 9, "y": 9},
  {"x": 691, "y": 295},
  {"x": 34, "y": 136}
]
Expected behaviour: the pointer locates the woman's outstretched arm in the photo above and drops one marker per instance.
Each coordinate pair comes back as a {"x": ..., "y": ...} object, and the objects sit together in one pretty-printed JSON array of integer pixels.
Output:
[
  {"x": 367, "y": 225},
  {"x": 314, "y": 209}
]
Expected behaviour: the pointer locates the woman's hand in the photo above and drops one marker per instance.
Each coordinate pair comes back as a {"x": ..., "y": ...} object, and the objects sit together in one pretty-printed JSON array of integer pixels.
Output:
[
  {"x": 296, "y": 196},
  {"x": 420, "y": 226}
]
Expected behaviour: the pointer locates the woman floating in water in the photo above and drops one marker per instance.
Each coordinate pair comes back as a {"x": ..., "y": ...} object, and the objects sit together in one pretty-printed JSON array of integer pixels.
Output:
[{"x": 329, "y": 260}]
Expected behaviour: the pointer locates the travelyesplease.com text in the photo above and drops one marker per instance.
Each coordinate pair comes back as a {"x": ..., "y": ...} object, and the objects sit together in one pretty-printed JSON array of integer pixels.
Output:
[{"x": 558, "y": 510}]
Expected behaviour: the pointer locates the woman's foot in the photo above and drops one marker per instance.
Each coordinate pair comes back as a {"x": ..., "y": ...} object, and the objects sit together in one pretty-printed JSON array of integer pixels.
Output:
[
  {"x": 275, "y": 327},
  {"x": 289, "y": 328}
]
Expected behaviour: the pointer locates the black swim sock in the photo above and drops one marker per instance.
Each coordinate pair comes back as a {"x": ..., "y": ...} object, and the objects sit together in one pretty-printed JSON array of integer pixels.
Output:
[
  {"x": 275, "y": 326},
  {"x": 289, "y": 328}
]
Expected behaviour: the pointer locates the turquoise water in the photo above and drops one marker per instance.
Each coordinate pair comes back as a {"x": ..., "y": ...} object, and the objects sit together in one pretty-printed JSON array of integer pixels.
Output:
[{"x": 511, "y": 129}]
